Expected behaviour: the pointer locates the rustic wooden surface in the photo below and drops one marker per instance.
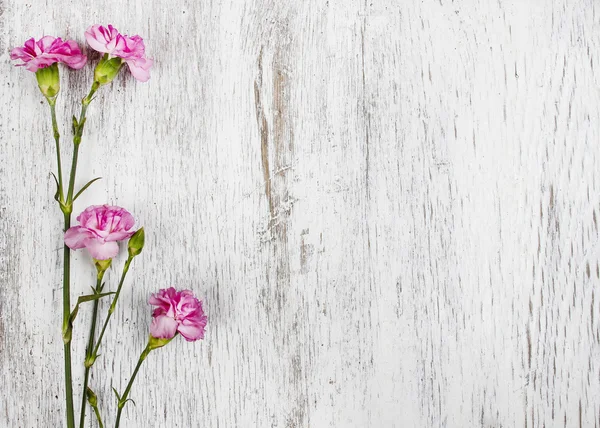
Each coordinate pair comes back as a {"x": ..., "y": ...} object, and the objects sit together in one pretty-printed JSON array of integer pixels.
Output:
[{"x": 389, "y": 208}]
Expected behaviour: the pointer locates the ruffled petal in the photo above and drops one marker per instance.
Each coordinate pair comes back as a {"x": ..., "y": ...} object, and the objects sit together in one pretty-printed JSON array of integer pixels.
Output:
[
  {"x": 102, "y": 250},
  {"x": 192, "y": 331},
  {"x": 96, "y": 39},
  {"x": 119, "y": 236},
  {"x": 139, "y": 68},
  {"x": 163, "y": 327},
  {"x": 77, "y": 236},
  {"x": 74, "y": 61}
]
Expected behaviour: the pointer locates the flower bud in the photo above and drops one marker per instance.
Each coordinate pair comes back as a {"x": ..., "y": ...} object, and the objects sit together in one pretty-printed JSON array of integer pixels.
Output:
[
  {"x": 48, "y": 80},
  {"x": 91, "y": 397},
  {"x": 136, "y": 243},
  {"x": 107, "y": 69}
]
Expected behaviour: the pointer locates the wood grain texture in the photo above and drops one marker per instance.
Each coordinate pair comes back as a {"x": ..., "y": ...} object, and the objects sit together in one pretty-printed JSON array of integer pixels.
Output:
[{"x": 390, "y": 209}]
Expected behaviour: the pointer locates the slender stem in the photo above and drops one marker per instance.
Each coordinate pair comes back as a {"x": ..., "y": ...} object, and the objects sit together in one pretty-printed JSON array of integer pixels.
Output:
[
  {"x": 72, "y": 175},
  {"x": 123, "y": 399},
  {"x": 66, "y": 316},
  {"x": 90, "y": 347},
  {"x": 97, "y": 412},
  {"x": 112, "y": 305},
  {"x": 56, "y": 134},
  {"x": 67, "y": 208},
  {"x": 77, "y": 139}
]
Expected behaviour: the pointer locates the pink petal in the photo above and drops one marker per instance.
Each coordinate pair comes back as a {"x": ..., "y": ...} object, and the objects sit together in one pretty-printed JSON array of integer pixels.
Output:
[
  {"x": 76, "y": 237},
  {"x": 102, "y": 250},
  {"x": 19, "y": 53},
  {"x": 40, "y": 62},
  {"x": 95, "y": 38},
  {"x": 118, "y": 236},
  {"x": 163, "y": 327},
  {"x": 76, "y": 61},
  {"x": 193, "y": 331},
  {"x": 46, "y": 42},
  {"x": 139, "y": 68}
]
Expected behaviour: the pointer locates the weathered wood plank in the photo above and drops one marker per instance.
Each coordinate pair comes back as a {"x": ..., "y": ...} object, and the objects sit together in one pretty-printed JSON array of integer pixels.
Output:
[{"x": 390, "y": 209}]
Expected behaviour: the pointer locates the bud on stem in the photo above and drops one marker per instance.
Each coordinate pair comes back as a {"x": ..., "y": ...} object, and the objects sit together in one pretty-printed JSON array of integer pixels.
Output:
[
  {"x": 49, "y": 81},
  {"x": 136, "y": 243},
  {"x": 107, "y": 69}
]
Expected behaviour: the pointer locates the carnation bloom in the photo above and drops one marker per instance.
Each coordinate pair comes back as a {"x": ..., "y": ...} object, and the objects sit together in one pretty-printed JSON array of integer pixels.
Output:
[
  {"x": 47, "y": 51},
  {"x": 130, "y": 49},
  {"x": 100, "y": 227},
  {"x": 177, "y": 311}
]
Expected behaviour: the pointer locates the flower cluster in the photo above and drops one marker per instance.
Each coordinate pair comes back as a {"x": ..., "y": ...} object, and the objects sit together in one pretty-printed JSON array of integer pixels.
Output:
[
  {"x": 102, "y": 227},
  {"x": 120, "y": 48}
]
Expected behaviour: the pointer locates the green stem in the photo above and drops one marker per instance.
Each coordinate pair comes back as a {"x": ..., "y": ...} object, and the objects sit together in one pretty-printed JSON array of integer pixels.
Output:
[
  {"x": 112, "y": 307},
  {"x": 67, "y": 208},
  {"x": 56, "y": 134},
  {"x": 77, "y": 139},
  {"x": 90, "y": 347},
  {"x": 66, "y": 316},
  {"x": 72, "y": 176},
  {"x": 123, "y": 399},
  {"x": 97, "y": 412}
]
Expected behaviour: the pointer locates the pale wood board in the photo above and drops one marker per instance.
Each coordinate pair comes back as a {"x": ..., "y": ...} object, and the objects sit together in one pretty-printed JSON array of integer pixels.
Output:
[{"x": 388, "y": 207}]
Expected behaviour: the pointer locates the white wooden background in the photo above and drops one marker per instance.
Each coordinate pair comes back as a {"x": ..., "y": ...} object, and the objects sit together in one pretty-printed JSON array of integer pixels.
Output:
[{"x": 389, "y": 207}]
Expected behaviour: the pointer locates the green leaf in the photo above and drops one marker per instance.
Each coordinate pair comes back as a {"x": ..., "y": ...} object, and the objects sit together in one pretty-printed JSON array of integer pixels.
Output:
[
  {"x": 75, "y": 124},
  {"x": 129, "y": 399},
  {"x": 57, "y": 194},
  {"x": 89, "y": 183},
  {"x": 83, "y": 299},
  {"x": 117, "y": 394}
]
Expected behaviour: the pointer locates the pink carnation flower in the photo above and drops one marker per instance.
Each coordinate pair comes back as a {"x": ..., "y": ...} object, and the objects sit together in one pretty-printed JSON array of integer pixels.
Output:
[
  {"x": 100, "y": 227},
  {"x": 177, "y": 311},
  {"x": 47, "y": 51},
  {"x": 130, "y": 49}
]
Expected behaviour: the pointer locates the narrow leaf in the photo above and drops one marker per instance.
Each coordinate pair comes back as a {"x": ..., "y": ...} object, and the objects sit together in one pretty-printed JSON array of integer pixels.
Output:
[
  {"x": 117, "y": 394},
  {"x": 57, "y": 194},
  {"x": 92, "y": 297},
  {"x": 130, "y": 399},
  {"x": 89, "y": 183},
  {"x": 83, "y": 299}
]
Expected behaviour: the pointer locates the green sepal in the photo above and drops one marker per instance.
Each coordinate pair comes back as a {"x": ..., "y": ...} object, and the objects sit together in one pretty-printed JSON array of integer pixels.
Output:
[
  {"x": 102, "y": 266},
  {"x": 107, "y": 69},
  {"x": 136, "y": 243},
  {"x": 155, "y": 342},
  {"x": 48, "y": 79}
]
